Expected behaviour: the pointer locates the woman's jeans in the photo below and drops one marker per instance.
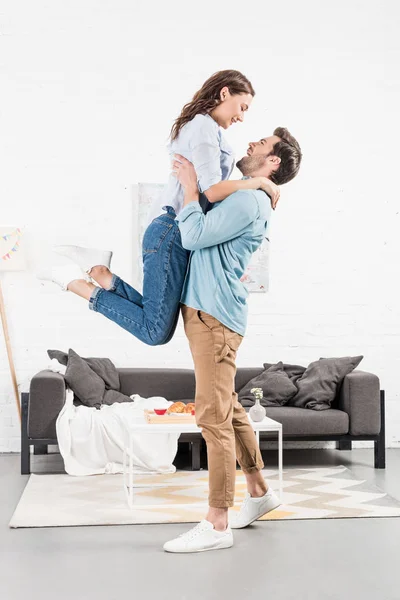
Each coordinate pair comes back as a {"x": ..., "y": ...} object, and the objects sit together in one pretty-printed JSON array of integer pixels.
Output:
[{"x": 153, "y": 316}]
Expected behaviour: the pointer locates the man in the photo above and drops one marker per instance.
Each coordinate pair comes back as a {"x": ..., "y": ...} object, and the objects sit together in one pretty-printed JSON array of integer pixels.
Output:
[{"x": 215, "y": 313}]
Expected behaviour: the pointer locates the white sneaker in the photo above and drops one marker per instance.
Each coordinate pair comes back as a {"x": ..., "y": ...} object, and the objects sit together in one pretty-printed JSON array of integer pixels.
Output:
[
  {"x": 62, "y": 275},
  {"x": 201, "y": 538},
  {"x": 86, "y": 258},
  {"x": 254, "y": 508}
]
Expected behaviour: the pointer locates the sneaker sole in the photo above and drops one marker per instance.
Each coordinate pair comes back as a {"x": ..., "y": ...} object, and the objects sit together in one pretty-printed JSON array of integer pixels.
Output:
[{"x": 223, "y": 546}]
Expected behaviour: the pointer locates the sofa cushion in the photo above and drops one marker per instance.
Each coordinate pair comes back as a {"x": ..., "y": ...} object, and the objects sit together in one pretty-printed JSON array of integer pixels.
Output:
[
  {"x": 303, "y": 423},
  {"x": 276, "y": 386},
  {"x": 172, "y": 384},
  {"x": 318, "y": 385}
]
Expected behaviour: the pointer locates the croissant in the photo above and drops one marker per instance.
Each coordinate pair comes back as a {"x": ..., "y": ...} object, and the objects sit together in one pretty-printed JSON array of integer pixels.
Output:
[
  {"x": 189, "y": 407},
  {"x": 177, "y": 407}
]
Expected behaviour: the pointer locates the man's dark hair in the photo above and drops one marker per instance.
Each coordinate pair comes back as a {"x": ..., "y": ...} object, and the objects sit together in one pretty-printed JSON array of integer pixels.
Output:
[{"x": 289, "y": 152}]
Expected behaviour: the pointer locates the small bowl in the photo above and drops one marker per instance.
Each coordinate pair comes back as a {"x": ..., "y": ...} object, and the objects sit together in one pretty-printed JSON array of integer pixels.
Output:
[{"x": 160, "y": 411}]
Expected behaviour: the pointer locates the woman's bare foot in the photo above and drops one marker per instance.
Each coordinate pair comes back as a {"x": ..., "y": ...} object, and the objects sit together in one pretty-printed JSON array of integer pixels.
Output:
[
  {"x": 102, "y": 275},
  {"x": 81, "y": 288}
]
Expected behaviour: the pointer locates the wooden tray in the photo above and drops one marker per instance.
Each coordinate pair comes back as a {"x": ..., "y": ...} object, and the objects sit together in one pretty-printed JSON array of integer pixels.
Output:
[{"x": 151, "y": 417}]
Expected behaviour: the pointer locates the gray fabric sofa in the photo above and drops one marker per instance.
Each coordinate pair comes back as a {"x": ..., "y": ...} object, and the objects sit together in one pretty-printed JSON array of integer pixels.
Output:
[{"x": 358, "y": 411}]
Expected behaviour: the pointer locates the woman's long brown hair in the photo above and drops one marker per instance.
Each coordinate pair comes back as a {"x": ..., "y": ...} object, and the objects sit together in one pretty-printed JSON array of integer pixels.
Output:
[{"x": 208, "y": 96}]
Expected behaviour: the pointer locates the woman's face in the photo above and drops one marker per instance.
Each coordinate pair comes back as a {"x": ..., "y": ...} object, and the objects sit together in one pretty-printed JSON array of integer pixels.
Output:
[{"x": 232, "y": 108}]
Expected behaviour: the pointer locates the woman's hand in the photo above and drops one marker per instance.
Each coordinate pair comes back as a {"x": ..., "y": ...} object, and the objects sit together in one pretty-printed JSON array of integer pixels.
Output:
[
  {"x": 271, "y": 189},
  {"x": 185, "y": 172}
]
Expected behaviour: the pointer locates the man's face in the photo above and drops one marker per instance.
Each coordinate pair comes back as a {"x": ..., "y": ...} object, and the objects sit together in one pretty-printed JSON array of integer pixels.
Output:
[
  {"x": 257, "y": 153},
  {"x": 264, "y": 146}
]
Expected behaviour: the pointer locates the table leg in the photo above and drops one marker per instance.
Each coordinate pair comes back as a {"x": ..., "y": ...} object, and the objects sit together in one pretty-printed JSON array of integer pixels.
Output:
[
  {"x": 124, "y": 475},
  {"x": 258, "y": 437},
  {"x": 131, "y": 471},
  {"x": 280, "y": 463}
]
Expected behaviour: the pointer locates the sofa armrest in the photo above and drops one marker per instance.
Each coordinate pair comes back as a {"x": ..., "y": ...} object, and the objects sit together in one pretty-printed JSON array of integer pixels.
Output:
[
  {"x": 46, "y": 398},
  {"x": 359, "y": 397}
]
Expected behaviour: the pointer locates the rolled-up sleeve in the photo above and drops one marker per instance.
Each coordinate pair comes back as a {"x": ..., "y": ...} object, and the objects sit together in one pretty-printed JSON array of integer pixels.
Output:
[
  {"x": 206, "y": 154},
  {"x": 225, "y": 222}
]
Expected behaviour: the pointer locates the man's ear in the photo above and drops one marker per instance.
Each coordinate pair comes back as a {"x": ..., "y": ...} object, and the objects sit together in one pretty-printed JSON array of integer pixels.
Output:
[{"x": 274, "y": 161}]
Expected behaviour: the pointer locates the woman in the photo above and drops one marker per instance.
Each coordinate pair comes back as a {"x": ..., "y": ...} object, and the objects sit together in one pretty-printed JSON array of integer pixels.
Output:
[{"x": 196, "y": 135}]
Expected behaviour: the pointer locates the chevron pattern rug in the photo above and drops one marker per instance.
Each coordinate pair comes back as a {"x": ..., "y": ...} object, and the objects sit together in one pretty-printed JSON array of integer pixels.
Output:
[{"x": 320, "y": 493}]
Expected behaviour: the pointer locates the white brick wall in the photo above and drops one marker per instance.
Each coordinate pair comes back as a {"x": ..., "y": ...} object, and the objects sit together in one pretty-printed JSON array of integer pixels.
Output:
[{"x": 88, "y": 94}]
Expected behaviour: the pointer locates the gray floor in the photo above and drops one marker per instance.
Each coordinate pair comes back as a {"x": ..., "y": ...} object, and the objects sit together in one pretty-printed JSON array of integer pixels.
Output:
[{"x": 322, "y": 559}]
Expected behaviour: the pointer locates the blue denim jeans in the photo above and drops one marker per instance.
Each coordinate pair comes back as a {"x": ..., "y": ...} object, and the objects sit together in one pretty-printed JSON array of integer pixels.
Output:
[{"x": 153, "y": 316}]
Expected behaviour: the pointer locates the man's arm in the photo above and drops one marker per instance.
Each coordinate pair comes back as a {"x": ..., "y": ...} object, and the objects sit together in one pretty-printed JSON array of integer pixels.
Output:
[
  {"x": 206, "y": 159},
  {"x": 188, "y": 177},
  {"x": 227, "y": 221}
]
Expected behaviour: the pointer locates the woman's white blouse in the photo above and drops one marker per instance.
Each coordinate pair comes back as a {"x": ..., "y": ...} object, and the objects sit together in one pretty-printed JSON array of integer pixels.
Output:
[{"x": 200, "y": 141}]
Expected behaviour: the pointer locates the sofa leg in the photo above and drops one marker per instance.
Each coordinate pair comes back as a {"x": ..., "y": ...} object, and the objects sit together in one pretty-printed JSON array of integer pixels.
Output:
[
  {"x": 25, "y": 448},
  {"x": 40, "y": 449},
  {"x": 380, "y": 444},
  {"x": 343, "y": 445},
  {"x": 196, "y": 451}
]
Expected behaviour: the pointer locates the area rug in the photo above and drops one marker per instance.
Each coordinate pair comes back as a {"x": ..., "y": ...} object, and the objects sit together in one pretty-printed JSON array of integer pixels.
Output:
[{"x": 320, "y": 493}]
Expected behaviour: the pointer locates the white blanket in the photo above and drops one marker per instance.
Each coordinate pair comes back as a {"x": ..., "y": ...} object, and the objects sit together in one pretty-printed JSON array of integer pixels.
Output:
[{"x": 92, "y": 441}]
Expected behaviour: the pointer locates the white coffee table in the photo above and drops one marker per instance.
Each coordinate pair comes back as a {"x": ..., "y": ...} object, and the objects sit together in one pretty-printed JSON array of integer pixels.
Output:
[{"x": 266, "y": 424}]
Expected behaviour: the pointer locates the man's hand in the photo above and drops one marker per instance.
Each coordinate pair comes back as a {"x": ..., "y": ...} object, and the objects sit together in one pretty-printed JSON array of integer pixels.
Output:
[
  {"x": 185, "y": 172},
  {"x": 271, "y": 189}
]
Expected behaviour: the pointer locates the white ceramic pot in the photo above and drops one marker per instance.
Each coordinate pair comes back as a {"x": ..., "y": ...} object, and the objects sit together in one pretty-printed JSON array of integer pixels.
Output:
[{"x": 257, "y": 412}]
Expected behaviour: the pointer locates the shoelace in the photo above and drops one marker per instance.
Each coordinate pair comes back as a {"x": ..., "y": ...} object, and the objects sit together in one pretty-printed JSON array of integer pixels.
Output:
[{"x": 192, "y": 533}]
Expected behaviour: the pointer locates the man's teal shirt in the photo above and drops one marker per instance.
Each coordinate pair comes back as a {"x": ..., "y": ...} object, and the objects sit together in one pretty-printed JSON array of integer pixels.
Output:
[{"x": 222, "y": 243}]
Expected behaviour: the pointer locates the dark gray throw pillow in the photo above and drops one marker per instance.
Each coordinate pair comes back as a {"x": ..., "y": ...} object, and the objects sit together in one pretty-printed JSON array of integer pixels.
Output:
[
  {"x": 318, "y": 385},
  {"x": 83, "y": 381},
  {"x": 104, "y": 368},
  {"x": 62, "y": 357},
  {"x": 294, "y": 372},
  {"x": 276, "y": 386},
  {"x": 111, "y": 396}
]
